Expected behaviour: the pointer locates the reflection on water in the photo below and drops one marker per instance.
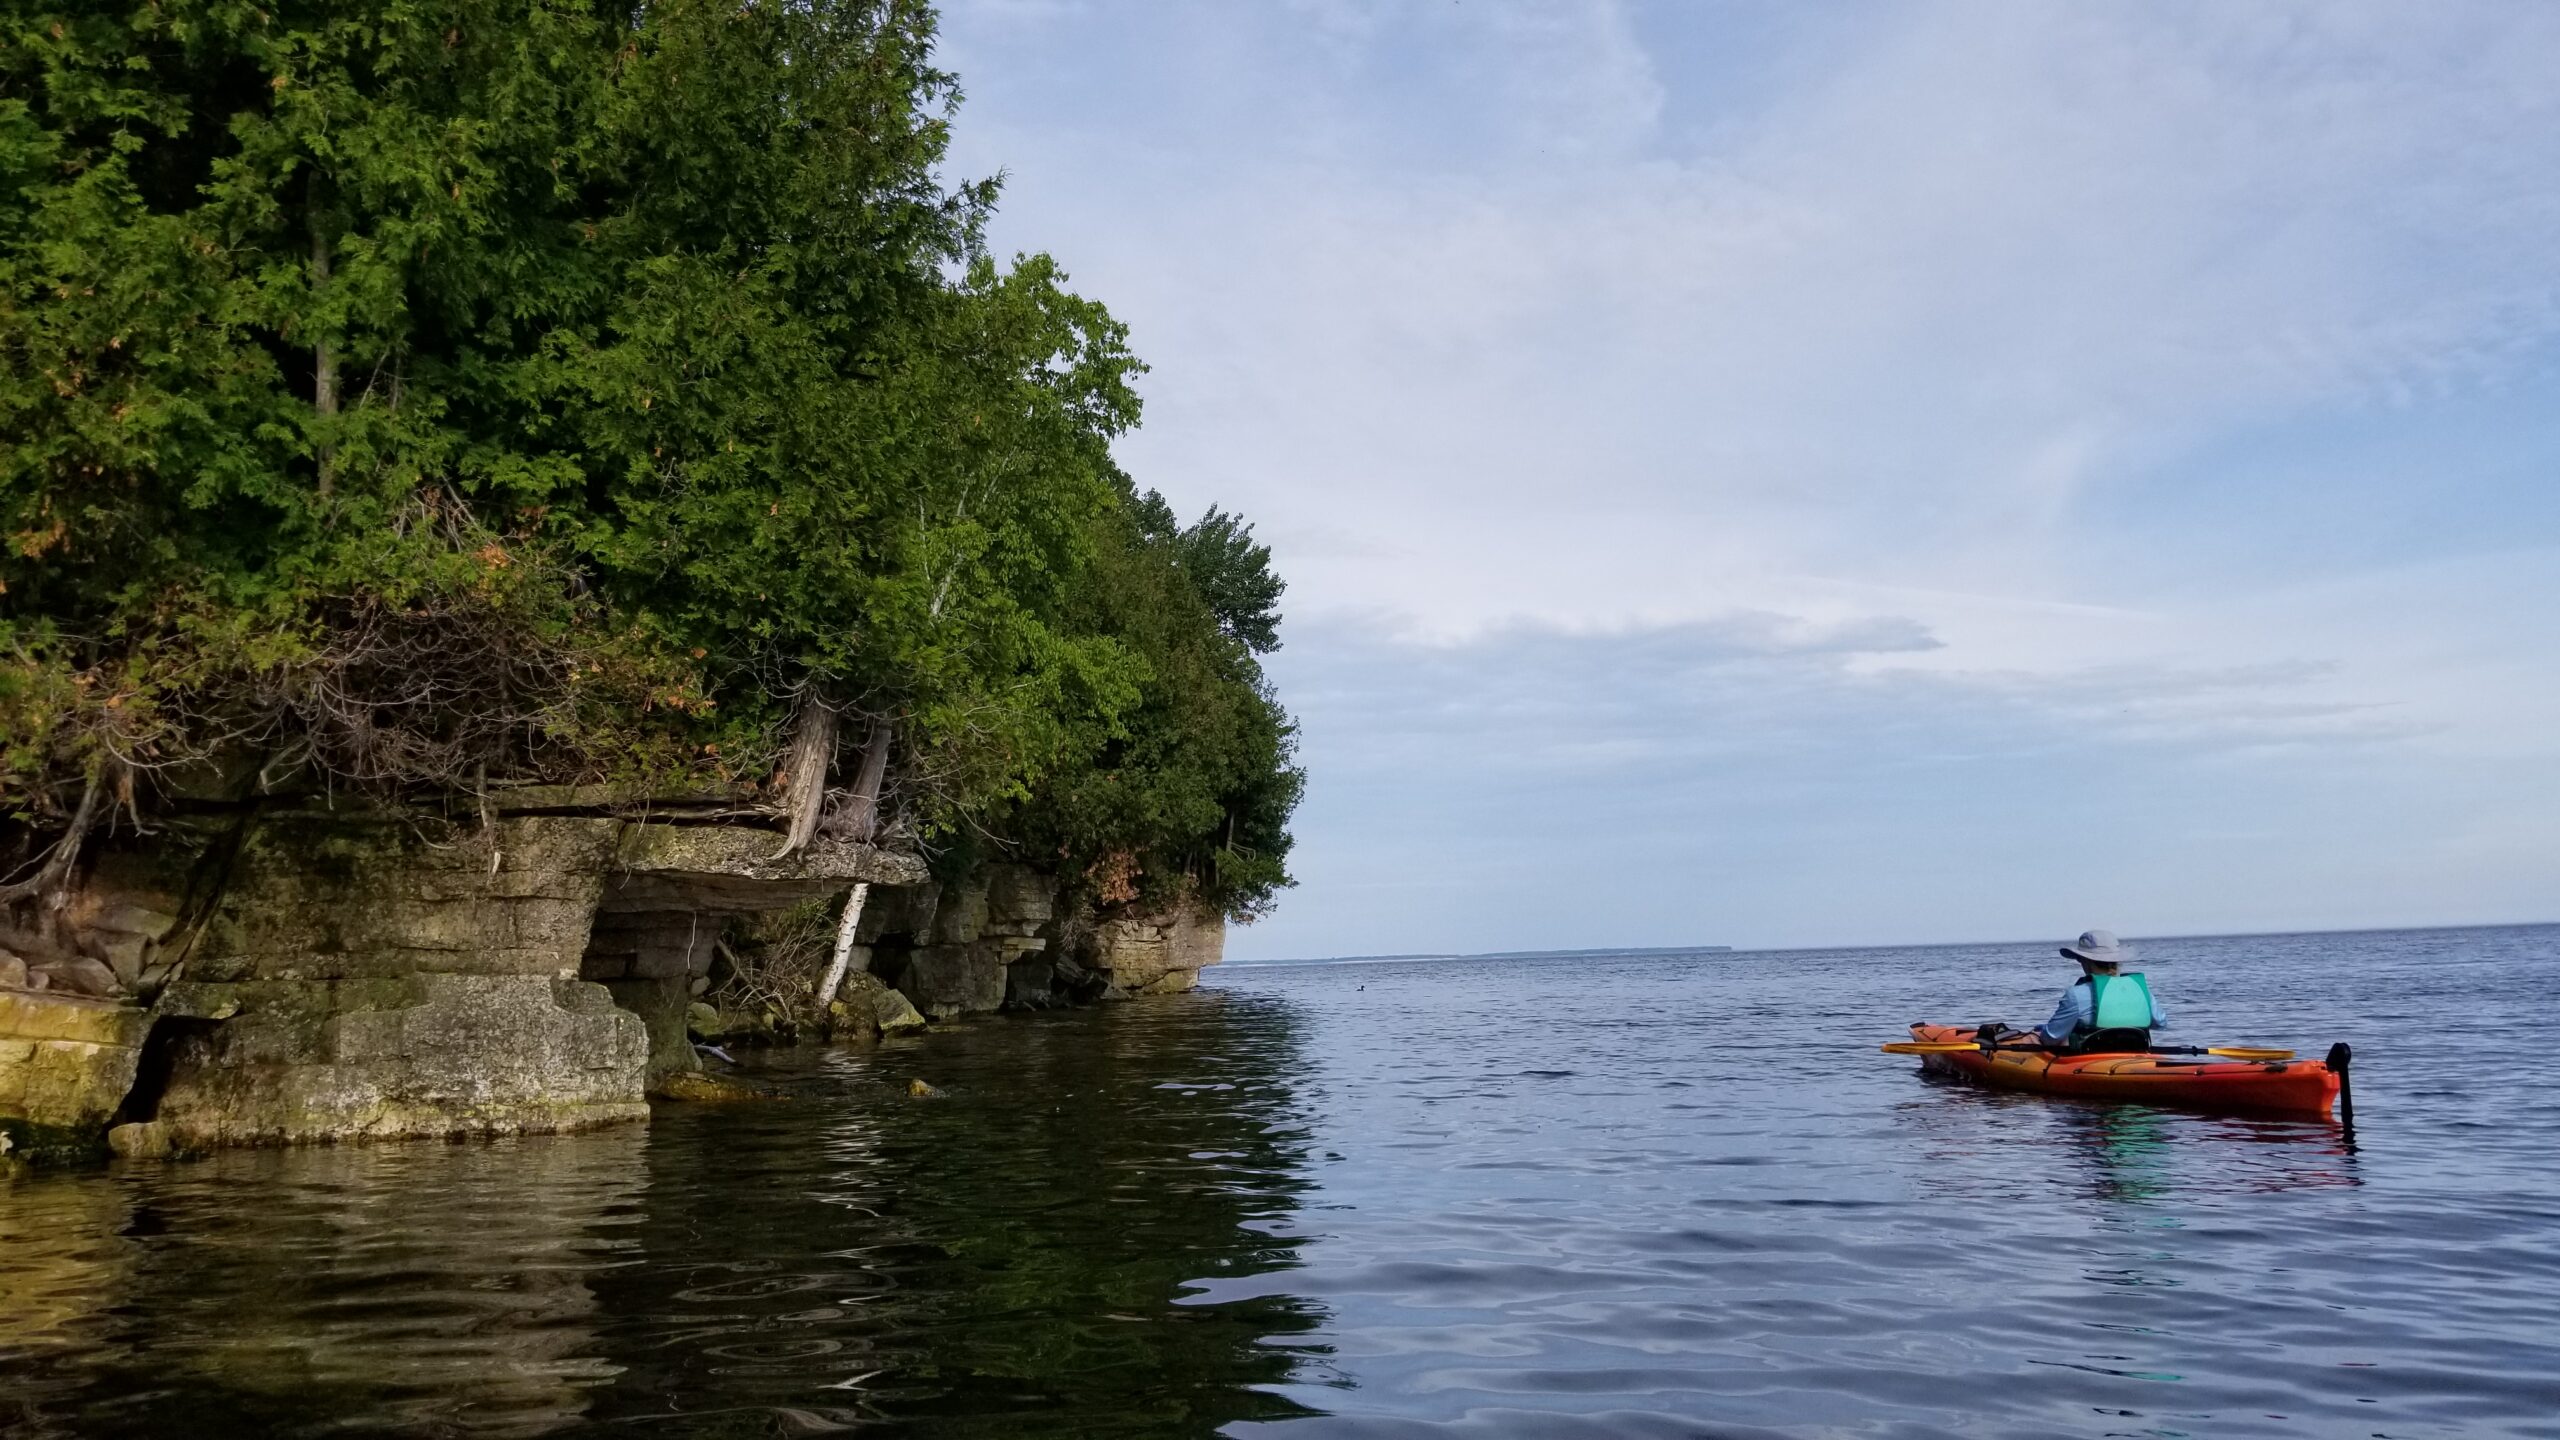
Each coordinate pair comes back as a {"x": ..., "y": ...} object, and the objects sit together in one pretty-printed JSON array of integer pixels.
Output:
[
  {"x": 2124, "y": 1148},
  {"x": 66, "y": 1261},
  {"x": 1015, "y": 1253},
  {"x": 248, "y": 1292},
  {"x": 2136, "y": 1154}
]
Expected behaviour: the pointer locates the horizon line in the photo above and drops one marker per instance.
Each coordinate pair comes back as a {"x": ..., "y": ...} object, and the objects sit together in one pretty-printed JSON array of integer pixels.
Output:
[{"x": 1641, "y": 950}]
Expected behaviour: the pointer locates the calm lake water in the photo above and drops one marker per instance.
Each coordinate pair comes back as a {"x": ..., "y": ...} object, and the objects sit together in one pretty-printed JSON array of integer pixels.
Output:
[{"x": 1641, "y": 1197}]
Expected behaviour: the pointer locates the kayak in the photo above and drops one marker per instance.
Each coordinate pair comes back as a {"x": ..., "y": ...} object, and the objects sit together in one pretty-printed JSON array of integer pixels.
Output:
[{"x": 2265, "y": 1087}]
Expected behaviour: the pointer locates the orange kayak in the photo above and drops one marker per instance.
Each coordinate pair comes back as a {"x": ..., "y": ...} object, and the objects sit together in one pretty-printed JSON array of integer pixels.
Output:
[{"x": 2269, "y": 1087}]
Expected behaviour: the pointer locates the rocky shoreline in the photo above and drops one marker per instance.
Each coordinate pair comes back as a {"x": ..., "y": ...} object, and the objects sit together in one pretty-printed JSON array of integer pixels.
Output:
[{"x": 539, "y": 960}]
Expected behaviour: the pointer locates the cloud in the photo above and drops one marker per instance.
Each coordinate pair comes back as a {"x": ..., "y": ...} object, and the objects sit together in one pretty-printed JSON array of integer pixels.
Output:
[
  {"x": 1902, "y": 317},
  {"x": 1765, "y": 781},
  {"x": 1867, "y": 430},
  {"x": 1757, "y": 684}
]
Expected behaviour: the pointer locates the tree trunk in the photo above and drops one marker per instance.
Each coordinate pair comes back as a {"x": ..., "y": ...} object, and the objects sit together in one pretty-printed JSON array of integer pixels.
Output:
[
  {"x": 51, "y": 884},
  {"x": 845, "y": 929},
  {"x": 857, "y": 816},
  {"x": 324, "y": 358},
  {"x": 804, "y": 771}
]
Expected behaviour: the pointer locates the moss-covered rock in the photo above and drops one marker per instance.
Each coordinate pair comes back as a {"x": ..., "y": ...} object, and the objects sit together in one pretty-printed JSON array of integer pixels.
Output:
[{"x": 66, "y": 1064}]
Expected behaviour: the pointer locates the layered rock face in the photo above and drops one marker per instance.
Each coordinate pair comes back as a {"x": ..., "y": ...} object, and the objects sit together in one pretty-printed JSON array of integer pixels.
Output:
[
  {"x": 1157, "y": 952},
  {"x": 972, "y": 945},
  {"x": 66, "y": 1063},
  {"x": 372, "y": 976},
  {"x": 320, "y": 975},
  {"x": 993, "y": 941}
]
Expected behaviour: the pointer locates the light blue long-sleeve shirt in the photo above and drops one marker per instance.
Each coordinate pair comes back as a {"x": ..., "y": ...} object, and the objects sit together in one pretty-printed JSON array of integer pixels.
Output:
[{"x": 2077, "y": 1009}]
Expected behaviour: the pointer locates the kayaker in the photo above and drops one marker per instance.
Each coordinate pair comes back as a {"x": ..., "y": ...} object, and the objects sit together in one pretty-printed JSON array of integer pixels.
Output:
[{"x": 2107, "y": 1008}]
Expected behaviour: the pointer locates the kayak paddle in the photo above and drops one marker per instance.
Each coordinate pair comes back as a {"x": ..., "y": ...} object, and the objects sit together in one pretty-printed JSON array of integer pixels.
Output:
[{"x": 1961, "y": 1047}]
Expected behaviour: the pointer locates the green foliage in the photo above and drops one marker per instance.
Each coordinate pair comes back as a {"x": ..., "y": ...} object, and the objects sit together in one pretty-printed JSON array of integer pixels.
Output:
[
  {"x": 1218, "y": 556},
  {"x": 1234, "y": 575},
  {"x": 413, "y": 388},
  {"x": 1194, "y": 786}
]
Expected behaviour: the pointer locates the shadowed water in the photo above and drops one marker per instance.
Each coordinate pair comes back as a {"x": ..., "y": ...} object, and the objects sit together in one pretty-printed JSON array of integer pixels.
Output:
[
  {"x": 1640, "y": 1196},
  {"x": 1002, "y": 1260}
]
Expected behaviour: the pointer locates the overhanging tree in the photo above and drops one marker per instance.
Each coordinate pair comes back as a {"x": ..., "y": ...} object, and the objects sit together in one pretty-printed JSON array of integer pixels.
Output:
[{"x": 408, "y": 391}]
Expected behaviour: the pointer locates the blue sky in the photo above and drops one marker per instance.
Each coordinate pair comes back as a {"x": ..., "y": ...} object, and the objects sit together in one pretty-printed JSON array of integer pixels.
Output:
[{"x": 1776, "y": 474}]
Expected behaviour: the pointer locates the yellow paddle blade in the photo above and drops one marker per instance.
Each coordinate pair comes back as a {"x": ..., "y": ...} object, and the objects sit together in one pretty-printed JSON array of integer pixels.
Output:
[{"x": 2244, "y": 1052}]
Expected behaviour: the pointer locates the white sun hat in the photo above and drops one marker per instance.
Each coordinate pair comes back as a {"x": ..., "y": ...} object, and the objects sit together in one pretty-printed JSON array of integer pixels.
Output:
[{"x": 2097, "y": 946}]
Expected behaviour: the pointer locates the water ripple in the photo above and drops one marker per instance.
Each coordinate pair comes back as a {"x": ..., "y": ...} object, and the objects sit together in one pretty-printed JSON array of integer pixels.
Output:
[{"x": 1607, "y": 1197}]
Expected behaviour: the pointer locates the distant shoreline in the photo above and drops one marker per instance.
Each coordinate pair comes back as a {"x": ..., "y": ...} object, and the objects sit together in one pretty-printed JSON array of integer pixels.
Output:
[
  {"x": 1649, "y": 952},
  {"x": 1676, "y": 950}
]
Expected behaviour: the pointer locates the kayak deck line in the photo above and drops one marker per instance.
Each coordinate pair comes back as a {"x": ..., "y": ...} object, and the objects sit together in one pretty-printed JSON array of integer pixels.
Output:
[{"x": 2287, "y": 1087}]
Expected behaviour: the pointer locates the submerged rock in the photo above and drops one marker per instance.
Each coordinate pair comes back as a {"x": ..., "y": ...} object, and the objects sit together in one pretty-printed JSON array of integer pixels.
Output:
[
  {"x": 698, "y": 1086},
  {"x": 706, "y": 1022},
  {"x": 142, "y": 1140}
]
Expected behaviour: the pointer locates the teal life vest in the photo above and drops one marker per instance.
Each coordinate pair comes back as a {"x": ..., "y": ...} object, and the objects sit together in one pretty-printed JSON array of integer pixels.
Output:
[{"x": 2119, "y": 1002}]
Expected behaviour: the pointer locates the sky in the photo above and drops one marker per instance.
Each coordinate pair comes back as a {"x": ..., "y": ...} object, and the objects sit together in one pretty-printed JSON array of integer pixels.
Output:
[{"x": 1773, "y": 474}]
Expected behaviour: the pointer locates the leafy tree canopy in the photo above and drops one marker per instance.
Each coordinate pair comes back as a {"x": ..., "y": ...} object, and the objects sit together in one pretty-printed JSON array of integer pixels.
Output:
[
  {"x": 404, "y": 390},
  {"x": 1195, "y": 785}
]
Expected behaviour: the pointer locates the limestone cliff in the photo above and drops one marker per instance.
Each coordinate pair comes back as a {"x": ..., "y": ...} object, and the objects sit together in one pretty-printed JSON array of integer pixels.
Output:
[
  {"x": 1156, "y": 952},
  {"x": 289, "y": 974}
]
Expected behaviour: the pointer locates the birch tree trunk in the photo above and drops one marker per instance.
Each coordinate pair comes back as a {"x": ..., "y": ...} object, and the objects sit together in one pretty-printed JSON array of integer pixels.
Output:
[{"x": 845, "y": 929}]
